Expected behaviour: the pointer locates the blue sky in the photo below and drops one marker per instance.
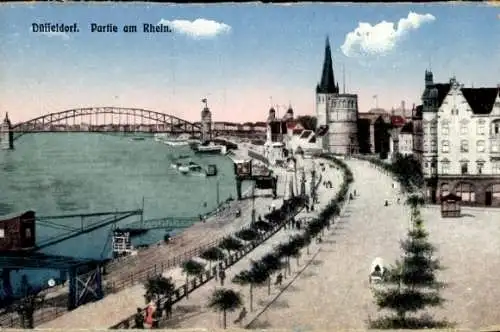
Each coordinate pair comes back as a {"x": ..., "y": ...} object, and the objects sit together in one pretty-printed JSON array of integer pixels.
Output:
[{"x": 246, "y": 55}]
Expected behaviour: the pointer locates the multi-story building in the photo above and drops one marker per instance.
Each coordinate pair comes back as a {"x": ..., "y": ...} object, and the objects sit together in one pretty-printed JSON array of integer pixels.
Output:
[
  {"x": 336, "y": 112},
  {"x": 406, "y": 139},
  {"x": 461, "y": 142}
]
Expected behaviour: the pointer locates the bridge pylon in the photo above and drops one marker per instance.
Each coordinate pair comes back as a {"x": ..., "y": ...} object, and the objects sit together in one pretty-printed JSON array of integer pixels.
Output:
[{"x": 6, "y": 134}]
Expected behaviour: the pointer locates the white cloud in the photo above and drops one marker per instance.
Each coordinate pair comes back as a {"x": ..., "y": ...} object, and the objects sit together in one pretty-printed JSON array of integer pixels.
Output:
[
  {"x": 62, "y": 35},
  {"x": 382, "y": 37},
  {"x": 199, "y": 28}
]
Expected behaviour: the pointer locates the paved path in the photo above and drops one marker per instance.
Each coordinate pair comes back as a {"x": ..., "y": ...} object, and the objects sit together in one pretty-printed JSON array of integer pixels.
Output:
[
  {"x": 193, "y": 312},
  {"x": 333, "y": 293}
]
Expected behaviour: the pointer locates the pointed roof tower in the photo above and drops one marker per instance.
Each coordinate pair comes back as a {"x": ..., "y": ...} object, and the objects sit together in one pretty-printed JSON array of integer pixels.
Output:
[{"x": 327, "y": 84}]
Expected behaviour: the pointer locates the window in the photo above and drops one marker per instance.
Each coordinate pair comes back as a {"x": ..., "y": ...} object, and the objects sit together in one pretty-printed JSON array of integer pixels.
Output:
[
  {"x": 445, "y": 129},
  {"x": 496, "y": 127},
  {"x": 464, "y": 146},
  {"x": 481, "y": 127},
  {"x": 480, "y": 166},
  {"x": 495, "y": 146},
  {"x": 466, "y": 192},
  {"x": 27, "y": 233},
  {"x": 464, "y": 129},
  {"x": 433, "y": 128},
  {"x": 2, "y": 233},
  {"x": 495, "y": 167},
  {"x": 480, "y": 146},
  {"x": 445, "y": 166},
  {"x": 433, "y": 146},
  {"x": 445, "y": 146},
  {"x": 426, "y": 147},
  {"x": 464, "y": 167}
]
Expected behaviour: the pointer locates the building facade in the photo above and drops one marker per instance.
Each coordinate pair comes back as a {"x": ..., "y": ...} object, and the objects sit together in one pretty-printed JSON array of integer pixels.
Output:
[
  {"x": 461, "y": 142},
  {"x": 337, "y": 112},
  {"x": 406, "y": 139}
]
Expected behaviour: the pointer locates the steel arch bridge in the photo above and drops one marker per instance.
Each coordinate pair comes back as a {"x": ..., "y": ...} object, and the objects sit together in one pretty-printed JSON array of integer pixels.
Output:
[{"x": 120, "y": 120}]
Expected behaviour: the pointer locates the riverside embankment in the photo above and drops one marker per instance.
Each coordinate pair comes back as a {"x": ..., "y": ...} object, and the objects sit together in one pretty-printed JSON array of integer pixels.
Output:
[{"x": 112, "y": 309}]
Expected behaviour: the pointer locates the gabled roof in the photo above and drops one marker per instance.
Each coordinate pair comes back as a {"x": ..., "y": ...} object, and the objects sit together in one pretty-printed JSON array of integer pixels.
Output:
[
  {"x": 480, "y": 100},
  {"x": 443, "y": 89},
  {"x": 397, "y": 120},
  {"x": 407, "y": 128}
]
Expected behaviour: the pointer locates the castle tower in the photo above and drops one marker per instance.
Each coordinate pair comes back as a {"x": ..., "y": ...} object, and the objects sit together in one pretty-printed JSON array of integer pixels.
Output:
[
  {"x": 430, "y": 118},
  {"x": 206, "y": 123},
  {"x": 6, "y": 134},
  {"x": 270, "y": 119},
  {"x": 338, "y": 112}
]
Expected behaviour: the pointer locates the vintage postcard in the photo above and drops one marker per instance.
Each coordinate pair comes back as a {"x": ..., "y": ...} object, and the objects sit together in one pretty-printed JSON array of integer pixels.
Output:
[{"x": 303, "y": 166}]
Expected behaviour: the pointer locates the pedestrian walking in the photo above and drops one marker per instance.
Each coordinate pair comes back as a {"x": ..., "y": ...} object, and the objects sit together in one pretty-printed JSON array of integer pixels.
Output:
[
  {"x": 139, "y": 319},
  {"x": 222, "y": 277},
  {"x": 241, "y": 316}
]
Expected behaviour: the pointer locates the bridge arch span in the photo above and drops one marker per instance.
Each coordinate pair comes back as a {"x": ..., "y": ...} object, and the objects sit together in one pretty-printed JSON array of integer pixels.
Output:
[{"x": 171, "y": 123}]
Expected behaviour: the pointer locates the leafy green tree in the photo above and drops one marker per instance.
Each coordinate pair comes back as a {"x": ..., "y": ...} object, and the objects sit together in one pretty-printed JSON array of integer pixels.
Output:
[
  {"x": 230, "y": 244},
  {"x": 262, "y": 226},
  {"x": 272, "y": 264},
  {"x": 247, "y": 234},
  {"x": 411, "y": 283},
  {"x": 158, "y": 286},
  {"x": 212, "y": 254},
  {"x": 288, "y": 250},
  {"x": 191, "y": 268},
  {"x": 257, "y": 275},
  {"x": 225, "y": 300}
]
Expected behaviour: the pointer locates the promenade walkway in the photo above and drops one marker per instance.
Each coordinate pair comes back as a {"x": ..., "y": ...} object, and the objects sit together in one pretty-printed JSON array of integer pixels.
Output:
[
  {"x": 193, "y": 312},
  {"x": 334, "y": 292},
  {"x": 114, "y": 308}
]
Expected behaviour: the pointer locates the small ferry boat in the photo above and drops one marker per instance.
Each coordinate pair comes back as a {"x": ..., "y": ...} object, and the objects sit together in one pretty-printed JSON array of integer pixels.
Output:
[
  {"x": 138, "y": 138},
  {"x": 209, "y": 148},
  {"x": 173, "y": 140},
  {"x": 190, "y": 167}
]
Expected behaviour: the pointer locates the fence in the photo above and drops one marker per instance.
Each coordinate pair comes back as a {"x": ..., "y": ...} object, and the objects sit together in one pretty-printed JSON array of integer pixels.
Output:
[
  {"x": 195, "y": 283},
  {"x": 59, "y": 307}
]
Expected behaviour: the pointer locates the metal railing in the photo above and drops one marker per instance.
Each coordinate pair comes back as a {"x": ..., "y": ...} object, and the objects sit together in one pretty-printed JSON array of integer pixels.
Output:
[{"x": 195, "y": 283}]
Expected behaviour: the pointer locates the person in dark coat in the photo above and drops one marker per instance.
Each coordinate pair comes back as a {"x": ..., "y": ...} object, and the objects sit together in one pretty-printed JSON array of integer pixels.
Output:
[{"x": 139, "y": 319}]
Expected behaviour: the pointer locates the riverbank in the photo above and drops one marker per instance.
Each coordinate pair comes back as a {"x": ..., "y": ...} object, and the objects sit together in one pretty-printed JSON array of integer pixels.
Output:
[{"x": 113, "y": 308}]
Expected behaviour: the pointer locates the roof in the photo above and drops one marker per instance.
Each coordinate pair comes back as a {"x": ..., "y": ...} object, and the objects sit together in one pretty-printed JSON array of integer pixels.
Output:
[
  {"x": 481, "y": 100},
  {"x": 407, "y": 128},
  {"x": 417, "y": 112},
  {"x": 25, "y": 214},
  {"x": 327, "y": 84},
  {"x": 397, "y": 120},
  {"x": 443, "y": 89},
  {"x": 36, "y": 260},
  {"x": 451, "y": 197}
]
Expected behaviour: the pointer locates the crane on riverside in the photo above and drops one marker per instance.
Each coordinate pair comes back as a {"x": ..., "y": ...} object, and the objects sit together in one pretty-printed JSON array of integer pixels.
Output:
[{"x": 20, "y": 250}]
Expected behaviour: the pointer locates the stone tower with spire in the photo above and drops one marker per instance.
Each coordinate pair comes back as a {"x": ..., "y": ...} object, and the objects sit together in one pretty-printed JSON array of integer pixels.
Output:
[
  {"x": 6, "y": 134},
  {"x": 336, "y": 111}
]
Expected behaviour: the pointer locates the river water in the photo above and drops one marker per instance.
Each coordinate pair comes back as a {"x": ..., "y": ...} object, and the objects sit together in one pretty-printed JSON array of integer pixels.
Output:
[{"x": 73, "y": 173}]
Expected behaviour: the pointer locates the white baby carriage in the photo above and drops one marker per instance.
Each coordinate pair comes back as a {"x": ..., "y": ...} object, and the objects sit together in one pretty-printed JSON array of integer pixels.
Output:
[{"x": 377, "y": 271}]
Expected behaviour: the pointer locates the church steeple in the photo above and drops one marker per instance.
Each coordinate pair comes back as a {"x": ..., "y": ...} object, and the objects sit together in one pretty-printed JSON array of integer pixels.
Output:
[{"x": 327, "y": 84}]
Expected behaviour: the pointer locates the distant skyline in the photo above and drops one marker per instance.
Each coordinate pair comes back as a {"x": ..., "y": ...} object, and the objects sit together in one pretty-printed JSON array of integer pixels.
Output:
[{"x": 238, "y": 56}]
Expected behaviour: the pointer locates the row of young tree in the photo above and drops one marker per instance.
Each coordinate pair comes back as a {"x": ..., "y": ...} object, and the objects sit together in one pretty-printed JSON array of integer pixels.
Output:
[
  {"x": 261, "y": 271},
  {"x": 410, "y": 286},
  {"x": 159, "y": 288}
]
